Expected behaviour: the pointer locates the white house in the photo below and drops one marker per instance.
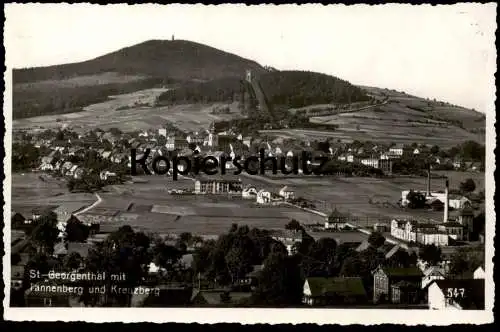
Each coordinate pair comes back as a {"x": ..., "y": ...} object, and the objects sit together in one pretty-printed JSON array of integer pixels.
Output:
[
  {"x": 66, "y": 167},
  {"x": 263, "y": 197},
  {"x": 455, "y": 230},
  {"x": 458, "y": 202},
  {"x": 458, "y": 294},
  {"x": 413, "y": 231},
  {"x": 47, "y": 164},
  {"x": 479, "y": 273},
  {"x": 371, "y": 162},
  {"x": 162, "y": 132},
  {"x": 457, "y": 164},
  {"x": 249, "y": 192},
  {"x": 104, "y": 175},
  {"x": 287, "y": 193},
  {"x": 106, "y": 154},
  {"x": 432, "y": 236},
  {"x": 247, "y": 141},
  {"x": 72, "y": 170},
  {"x": 289, "y": 238},
  {"x": 175, "y": 143},
  {"x": 397, "y": 151}
]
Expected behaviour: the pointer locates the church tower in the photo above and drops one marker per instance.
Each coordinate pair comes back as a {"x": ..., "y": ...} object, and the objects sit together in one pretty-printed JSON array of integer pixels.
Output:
[{"x": 213, "y": 140}]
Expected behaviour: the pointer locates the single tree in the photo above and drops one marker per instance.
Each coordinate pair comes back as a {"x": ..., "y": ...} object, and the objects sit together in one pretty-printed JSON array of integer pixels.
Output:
[
  {"x": 293, "y": 225},
  {"x": 416, "y": 200},
  {"x": 435, "y": 149},
  {"x": 465, "y": 260},
  {"x": 45, "y": 233},
  {"x": 76, "y": 231},
  {"x": 431, "y": 254},
  {"x": 468, "y": 186},
  {"x": 376, "y": 239},
  {"x": 185, "y": 237}
]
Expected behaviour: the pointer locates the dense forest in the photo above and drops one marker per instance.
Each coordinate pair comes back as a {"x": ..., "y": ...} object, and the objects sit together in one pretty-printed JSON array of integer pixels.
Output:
[
  {"x": 302, "y": 88},
  {"x": 219, "y": 90},
  {"x": 290, "y": 88},
  {"x": 59, "y": 100}
]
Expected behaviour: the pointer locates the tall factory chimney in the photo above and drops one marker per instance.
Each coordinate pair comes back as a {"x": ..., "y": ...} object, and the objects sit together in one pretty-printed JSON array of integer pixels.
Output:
[{"x": 446, "y": 203}]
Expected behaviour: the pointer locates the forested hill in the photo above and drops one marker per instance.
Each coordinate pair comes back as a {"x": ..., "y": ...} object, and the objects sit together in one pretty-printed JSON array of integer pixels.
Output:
[
  {"x": 178, "y": 59},
  {"x": 290, "y": 88},
  {"x": 70, "y": 87}
]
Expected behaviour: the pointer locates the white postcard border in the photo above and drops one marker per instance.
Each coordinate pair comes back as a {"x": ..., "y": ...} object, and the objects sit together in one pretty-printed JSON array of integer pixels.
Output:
[{"x": 249, "y": 315}]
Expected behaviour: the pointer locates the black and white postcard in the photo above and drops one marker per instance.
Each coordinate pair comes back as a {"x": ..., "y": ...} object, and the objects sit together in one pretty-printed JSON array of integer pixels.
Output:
[{"x": 252, "y": 164}]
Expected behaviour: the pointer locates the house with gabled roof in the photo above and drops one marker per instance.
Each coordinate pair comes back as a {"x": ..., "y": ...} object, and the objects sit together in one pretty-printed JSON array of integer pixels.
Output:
[
  {"x": 290, "y": 238},
  {"x": 432, "y": 273},
  {"x": 319, "y": 291},
  {"x": 287, "y": 193},
  {"x": 479, "y": 272},
  {"x": 385, "y": 277},
  {"x": 456, "y": 294},
  {"x": 46, "y": 164}
]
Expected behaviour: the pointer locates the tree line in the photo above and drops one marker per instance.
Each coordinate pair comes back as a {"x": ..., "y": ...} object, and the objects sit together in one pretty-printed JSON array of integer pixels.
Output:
[{"x": 30, "y": 102}]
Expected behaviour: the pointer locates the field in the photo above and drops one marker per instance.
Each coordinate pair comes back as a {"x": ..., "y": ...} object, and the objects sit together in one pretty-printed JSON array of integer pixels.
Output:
[
  {"x": 130, "y": 112},
  {"x": 147, "y": 206},
  {"x": 365, "y": 197},
  {"x": 35, "y": 189},
  {"x": 401, "y": 119}
]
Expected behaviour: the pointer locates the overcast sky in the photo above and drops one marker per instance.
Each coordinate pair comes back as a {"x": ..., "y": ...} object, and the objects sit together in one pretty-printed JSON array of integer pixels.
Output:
[{"x": 442, "y": 52}]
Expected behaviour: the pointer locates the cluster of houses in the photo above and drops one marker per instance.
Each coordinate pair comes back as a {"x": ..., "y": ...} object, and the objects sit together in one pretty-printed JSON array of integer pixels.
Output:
[
  {"x": 383, "y": 158},
  {"x": 418, "y": 287},
  {"x": 430, "y": 285},
  {"x": 231, "y": 184},
  {"x": 438, "y": 233}
]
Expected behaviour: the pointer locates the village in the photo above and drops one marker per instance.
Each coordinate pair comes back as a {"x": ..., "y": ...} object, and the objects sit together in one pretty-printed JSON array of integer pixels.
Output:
[{"x": 418, "y": 259}]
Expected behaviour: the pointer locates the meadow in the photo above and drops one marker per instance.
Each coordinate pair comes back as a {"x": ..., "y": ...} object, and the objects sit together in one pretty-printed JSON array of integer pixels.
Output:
[
  {"x": 147, "y": 206},
  {"x": 131, "y": 112},
  {"x": 36, "y": 189},
  {"x": 370, "y": 198}
]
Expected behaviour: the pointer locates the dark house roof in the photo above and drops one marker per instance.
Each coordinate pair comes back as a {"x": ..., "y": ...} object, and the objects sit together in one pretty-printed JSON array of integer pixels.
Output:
[
  {"x": 452, "y": 224},
  {"x": 398, "y": 272},
  {"x": 213, "y": 297},
  {"x": 228, "y": 177},
  {"x": 340, "y": 286},
  {"x": 404, "y": 285},
  {"x": 467, "y": 212},
  {"x": 286, "y": 234}
]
